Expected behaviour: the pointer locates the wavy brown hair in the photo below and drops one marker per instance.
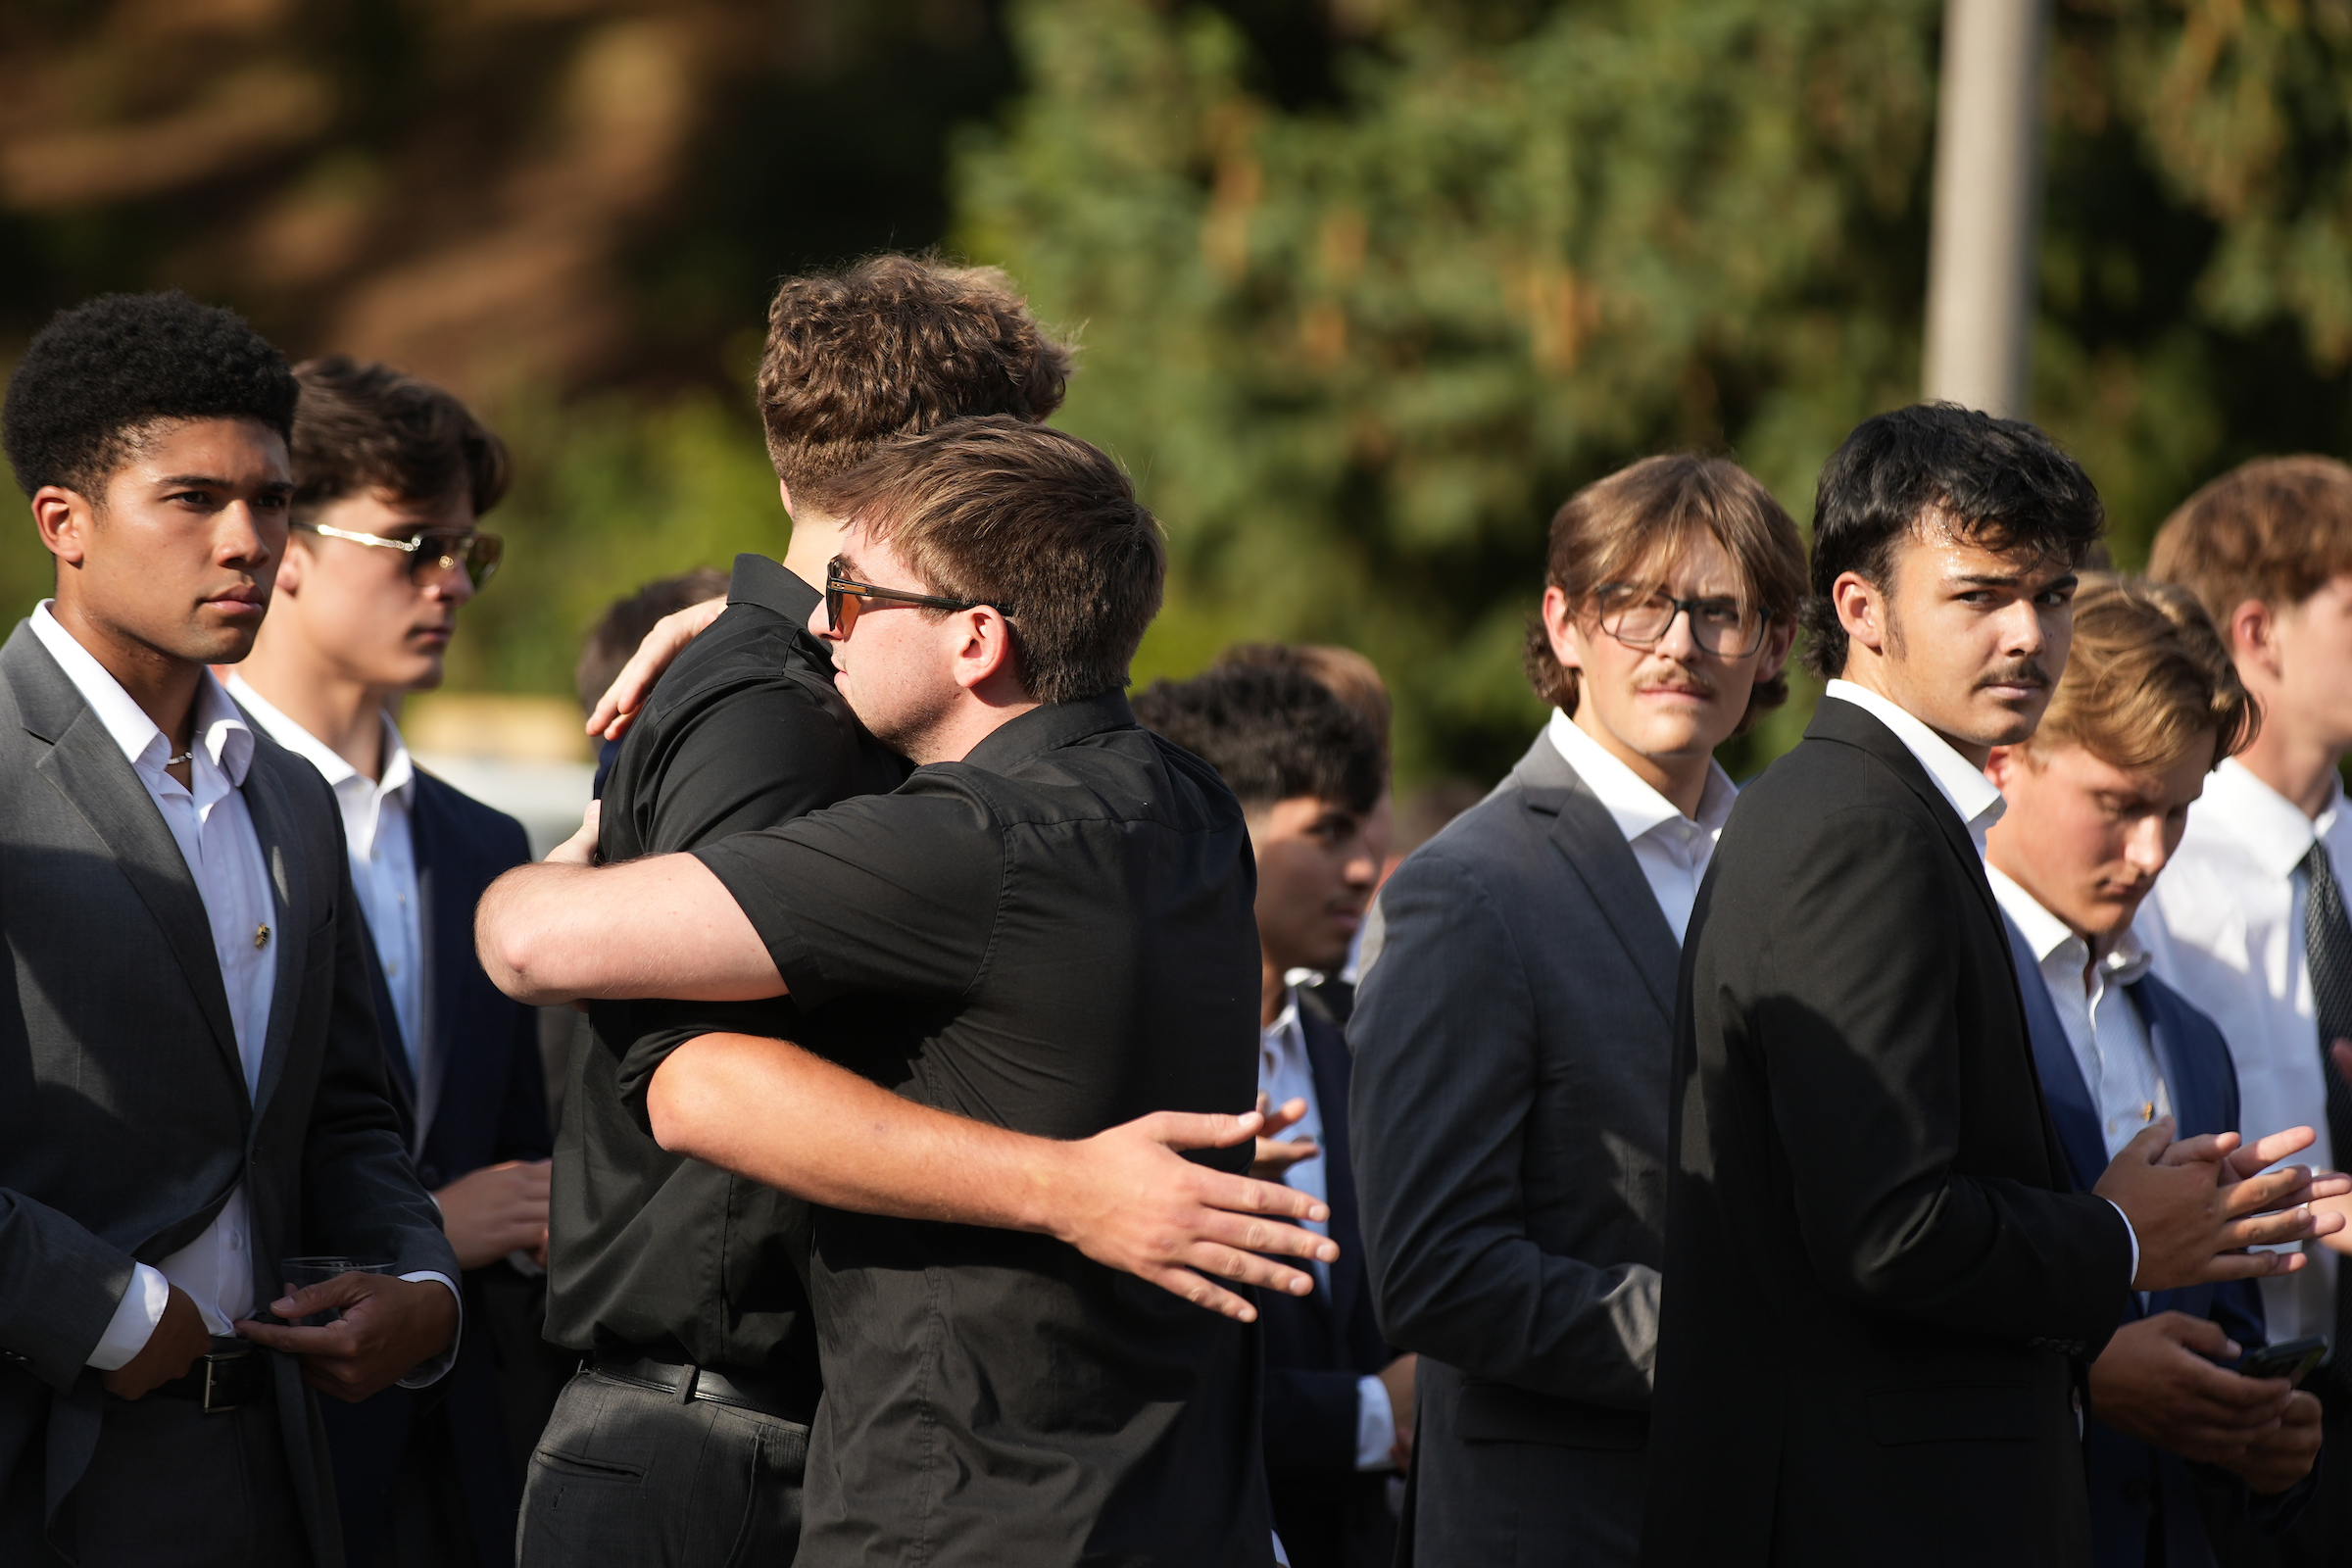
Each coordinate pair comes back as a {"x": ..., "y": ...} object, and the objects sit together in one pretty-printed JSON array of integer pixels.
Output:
[
  {"x": 1629, "y": 527},
  {"x": 891, "y": 346},
  {"x": 2148, "y": 679},
  {"x": 2274, "y": 531}
]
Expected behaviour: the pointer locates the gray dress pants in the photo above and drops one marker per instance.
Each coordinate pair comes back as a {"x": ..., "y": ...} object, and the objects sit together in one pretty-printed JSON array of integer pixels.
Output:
[{"x": 626, "y": 1477}]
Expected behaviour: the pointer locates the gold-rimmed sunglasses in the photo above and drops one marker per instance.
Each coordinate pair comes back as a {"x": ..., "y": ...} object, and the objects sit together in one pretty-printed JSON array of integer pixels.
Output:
[
  {"x": 467, "y": 550},
  {"x": 846, "y": 600}
]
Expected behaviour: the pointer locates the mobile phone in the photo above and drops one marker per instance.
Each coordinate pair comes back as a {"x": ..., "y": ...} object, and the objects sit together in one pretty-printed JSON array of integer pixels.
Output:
[{"x": 2291, "y": 1359}]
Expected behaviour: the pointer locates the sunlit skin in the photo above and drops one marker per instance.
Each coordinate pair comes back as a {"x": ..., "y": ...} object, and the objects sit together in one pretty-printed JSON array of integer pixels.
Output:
[
  {"x": 1663, "y": 710},
  {"x": 350, "y": 631},
  {"x": 1968, "y": 641},
  {"x": 2088, "y": 839},
  {"x": 1316, "y": 870},
  {"x": 2297, "y": 661},
  {"x": 170, "y": 567},
  {"x": 904, "y": 667}
]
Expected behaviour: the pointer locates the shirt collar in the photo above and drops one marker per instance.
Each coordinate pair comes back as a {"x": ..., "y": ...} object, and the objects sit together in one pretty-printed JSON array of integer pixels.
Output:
[
  {"x": 1279, "y": 1035},
  {"x": 1961, "y": 783},
  {"x": 2047, "y": 935},
  {"x": 398, "y": 773},
  {"x": 1028, "y": 736},
  {"x": 1632, "y": 804},
  {"x": 2269, "y": 824},
  {"x": 221, "y": 733},
  {"x": 773, "y": 586}
]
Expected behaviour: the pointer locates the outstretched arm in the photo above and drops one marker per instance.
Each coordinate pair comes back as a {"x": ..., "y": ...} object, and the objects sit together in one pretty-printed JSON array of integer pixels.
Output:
[
  {"x": 663, "y": 927},
  {"x": 776, "y": 1114}
]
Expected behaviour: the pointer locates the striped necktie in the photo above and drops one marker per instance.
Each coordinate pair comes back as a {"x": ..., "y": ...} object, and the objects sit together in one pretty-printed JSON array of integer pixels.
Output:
[{"x": 2328, "y": 954}]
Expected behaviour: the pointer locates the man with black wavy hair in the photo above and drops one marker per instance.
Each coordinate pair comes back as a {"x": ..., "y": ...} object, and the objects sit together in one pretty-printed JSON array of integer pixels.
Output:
[
  {"x": 1883, "y": 1288},
  {"x": 196, "y": 1093}
]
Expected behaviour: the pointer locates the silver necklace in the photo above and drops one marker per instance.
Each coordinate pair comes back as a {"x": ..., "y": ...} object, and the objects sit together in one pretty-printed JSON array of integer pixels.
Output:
[{"x": 188, "y": 755}]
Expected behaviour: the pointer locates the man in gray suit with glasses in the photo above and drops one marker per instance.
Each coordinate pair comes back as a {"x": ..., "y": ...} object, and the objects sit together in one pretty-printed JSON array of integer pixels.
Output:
[
  {"x": 191, "y": 1091},
  {"x": 1513, "y": 1027}
]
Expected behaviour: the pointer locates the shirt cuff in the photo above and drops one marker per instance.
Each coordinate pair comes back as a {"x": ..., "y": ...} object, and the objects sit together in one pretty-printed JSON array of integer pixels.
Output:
[
  {"x": 1375, "y": 1424},
  {"x": 431, "y": 1372},
  {"x": 135, "y": 1317},
  {"x": 2135, "y": 1235}
]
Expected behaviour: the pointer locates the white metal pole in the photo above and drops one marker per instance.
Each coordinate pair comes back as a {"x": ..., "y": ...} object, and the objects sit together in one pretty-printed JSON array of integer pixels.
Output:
[{"x": 1987, "y": 204}]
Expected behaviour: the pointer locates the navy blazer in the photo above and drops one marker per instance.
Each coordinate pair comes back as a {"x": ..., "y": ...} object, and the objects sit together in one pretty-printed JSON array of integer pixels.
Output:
[
  {"x": 2126, "y": 1475},
  {"x": 1318, "y": 1346},
  {"x": 490, "y": 1106}
]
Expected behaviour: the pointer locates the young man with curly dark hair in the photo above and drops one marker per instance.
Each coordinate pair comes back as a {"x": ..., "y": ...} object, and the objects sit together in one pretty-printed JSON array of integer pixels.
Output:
[{"x": 198, "y": 1100}]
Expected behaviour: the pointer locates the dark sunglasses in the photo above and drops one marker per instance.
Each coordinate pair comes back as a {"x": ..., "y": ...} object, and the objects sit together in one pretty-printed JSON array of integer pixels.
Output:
[
  {"x": 846, "y": 601},
  {"x": 470, "y": 551}
]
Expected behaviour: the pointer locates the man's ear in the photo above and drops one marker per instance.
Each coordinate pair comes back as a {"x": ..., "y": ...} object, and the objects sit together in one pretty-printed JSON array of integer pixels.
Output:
[
  {"x": 2252, "y": 631},
  {"x": 63, "y": 519},
  {"x": 1861, "y": 606},
  {"x": 2004, "y": 763},
  {"x": 985, "y": 653},
  {"x": 1558, "y": 625},
  {"x": 784, "y": 491},
  {"x": 291, "y": 564}
]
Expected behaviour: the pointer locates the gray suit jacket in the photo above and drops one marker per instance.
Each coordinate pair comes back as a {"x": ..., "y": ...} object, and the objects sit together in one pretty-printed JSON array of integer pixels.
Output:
[
  {"x": 124, "y": 1122},
  {"x": 1513, "y": 1034}
]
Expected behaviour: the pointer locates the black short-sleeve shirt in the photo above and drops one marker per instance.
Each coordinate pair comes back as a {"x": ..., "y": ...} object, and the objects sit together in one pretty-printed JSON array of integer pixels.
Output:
[
  {"x": 646, "y": 1249},
  {"x": 1053, "y": 935}
]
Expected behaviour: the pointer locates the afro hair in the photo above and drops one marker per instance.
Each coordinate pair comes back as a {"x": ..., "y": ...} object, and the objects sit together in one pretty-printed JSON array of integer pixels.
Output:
[
  {"x": 97, "y": 375},
  {"x": 1272, "y": 732}
]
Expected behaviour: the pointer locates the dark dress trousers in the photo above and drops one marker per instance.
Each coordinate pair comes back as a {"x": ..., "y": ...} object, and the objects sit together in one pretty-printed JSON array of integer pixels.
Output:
[
  {"x": 124, "y": 1125},
  {"x": 658, "y": 1263},
  {"x": 490, "y": 1106},
  {"x": 1883, "y": 1284},
  {"x": 1512, "y": 1033},
  {"x": 2134, "y": 1488},
  {"x": 1052, "y": 935},
  {"x": 1318, "y": 1347}
]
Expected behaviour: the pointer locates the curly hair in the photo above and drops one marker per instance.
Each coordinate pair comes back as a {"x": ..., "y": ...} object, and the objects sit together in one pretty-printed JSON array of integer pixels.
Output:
[
  {"x": 1996, "y": 483},
  {"x": 1271, "y": 731},
  {"x": 99, "y": 374},
  {"x": 893, "y": 346},
  {"x": 367, "y": 427}
]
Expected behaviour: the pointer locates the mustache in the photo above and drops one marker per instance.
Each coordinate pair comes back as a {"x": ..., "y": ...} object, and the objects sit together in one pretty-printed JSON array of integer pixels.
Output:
[
  {"x": 2024, "y": 672},
  {"x": 1684, "y": 678}
]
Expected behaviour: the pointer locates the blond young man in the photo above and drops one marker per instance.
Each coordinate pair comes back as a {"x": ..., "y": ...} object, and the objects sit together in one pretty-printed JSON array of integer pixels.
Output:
[
  {"x": 2250, "y": 923},
  {"x": 2097, "y": 801}
]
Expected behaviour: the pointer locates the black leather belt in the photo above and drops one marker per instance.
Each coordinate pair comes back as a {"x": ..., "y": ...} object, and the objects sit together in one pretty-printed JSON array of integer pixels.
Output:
[
  {"x": 233, "y": 1374},
  {"x": 685, "y": 1382}
]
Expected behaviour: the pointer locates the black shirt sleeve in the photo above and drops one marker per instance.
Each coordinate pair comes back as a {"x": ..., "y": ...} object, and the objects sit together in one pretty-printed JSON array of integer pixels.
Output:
[{"x": 894, "y": 893}]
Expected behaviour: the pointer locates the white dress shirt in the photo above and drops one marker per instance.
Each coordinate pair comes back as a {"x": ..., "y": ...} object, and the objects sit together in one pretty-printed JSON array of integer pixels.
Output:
[
  {"x": 1968, "y": 793},
  {"x": 1672, "y": 849},
  {"x": 383, "y": 870},
  {"x": 209, "y": 822},
  {"x": 2108, "y": 1037},
  {"x": 1284, "y": 1074},
  {"x": 2228, "y": 934}
]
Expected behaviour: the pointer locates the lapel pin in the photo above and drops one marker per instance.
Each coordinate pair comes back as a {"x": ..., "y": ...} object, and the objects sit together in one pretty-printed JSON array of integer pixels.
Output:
[{"x": 260, "y": 937}]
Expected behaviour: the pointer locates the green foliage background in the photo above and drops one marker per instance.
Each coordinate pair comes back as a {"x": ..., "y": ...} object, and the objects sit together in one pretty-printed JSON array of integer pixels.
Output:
[{"x": 1366, "y": 288}]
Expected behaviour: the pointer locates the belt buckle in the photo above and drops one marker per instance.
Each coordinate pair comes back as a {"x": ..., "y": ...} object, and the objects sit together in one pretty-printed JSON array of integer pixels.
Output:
[{"x": 212, "y": 1361}]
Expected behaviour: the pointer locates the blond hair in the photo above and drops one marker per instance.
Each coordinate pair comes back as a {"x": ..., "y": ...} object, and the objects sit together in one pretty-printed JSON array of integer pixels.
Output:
[{"x": 2149, "y": 680}]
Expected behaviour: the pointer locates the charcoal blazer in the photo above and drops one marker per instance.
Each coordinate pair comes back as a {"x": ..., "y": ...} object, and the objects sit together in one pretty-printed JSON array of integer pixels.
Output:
[
  {"x": 1882, "y": 1282},
  {"x": 1318, "y": 1347},
  {"x": 489, "y": 1105},
  {"x": 2132, "y": 1482},
  {"x": 1512, "y": 1032},
  {"x": 125, "y": 1121}
]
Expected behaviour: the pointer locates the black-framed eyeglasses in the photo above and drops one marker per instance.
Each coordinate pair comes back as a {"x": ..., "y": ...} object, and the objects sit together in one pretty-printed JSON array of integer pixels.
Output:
[
  {"x": 1641, "y": 617},
  {"x": 467, "y": 550},
  {"x": 846, "y": 601}
]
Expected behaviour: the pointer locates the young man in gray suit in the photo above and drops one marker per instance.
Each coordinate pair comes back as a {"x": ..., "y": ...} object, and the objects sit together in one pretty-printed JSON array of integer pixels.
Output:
[
  {"x": 1513, "y": 1025},
  {"x": 195, "y": 1091}
]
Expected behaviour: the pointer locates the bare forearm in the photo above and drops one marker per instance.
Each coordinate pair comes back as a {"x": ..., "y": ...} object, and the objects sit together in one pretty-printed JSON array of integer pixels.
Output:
[
  {"x": 777, "y": 1113},
  {"x": 663, "y": 927}
]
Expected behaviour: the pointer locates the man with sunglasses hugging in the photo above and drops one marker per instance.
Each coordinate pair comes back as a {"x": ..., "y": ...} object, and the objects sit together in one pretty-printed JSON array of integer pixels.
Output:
[{"x": 391, "y": 476}]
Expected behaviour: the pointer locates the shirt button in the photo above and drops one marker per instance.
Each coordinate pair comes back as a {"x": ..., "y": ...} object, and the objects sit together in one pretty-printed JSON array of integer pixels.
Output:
[
  {"x": 392, "y": 969},
  {"x": 236, "y": 1243}
]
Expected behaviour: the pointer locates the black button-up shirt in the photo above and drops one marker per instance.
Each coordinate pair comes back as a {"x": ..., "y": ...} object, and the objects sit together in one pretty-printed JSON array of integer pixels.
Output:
[
  {"x": 647, "y": 1249},
  {"x": 1053, "y": 935}
]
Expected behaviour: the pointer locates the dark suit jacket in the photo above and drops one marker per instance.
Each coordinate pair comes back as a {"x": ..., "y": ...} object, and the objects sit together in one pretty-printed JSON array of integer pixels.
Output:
[
  {"x": 124, "y": 1122},
  {"x": 1511, "y": 1032},
  {"x": 1317, "y": 1348},
  {"x": 2129, "y": 1479},
  {"x": 490, "y": 1106},
  {"x": 1881, "y": 1272}
]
